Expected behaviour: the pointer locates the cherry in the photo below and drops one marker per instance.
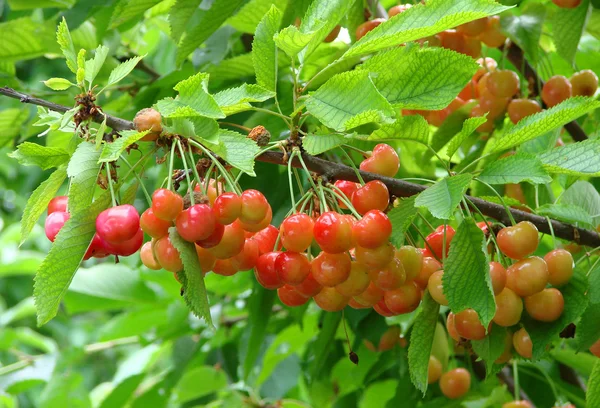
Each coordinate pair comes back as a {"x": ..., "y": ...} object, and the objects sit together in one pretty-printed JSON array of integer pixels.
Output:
[
  {"x": 451, "y": 327},
  {"x": 206, "y": 259},
  {"x": 309, "y": 288},
  {"x": 545, "y": 306},
  {"x": 118, "y": 224},
  {"x": 54, "y": 222},
  {"x": 333, "y": 232},
  {"x": 224, "y": 267},
  {"x": 507, "y": 353},
  {"x": 213, "y": 239},
  {"x": 376, "y": 258},
  {"x": 383, "y": 160},
  {"x": 254, "y": 207},
  {"x": 372, "y": 196},
  {"x": 330, "y": 300},
  {"x": 166, "y": 255},
  {"x": 518, "y": 241},
  {"x": 357, "y": 281},
  {"x": 487, "y": 65},
  {"x": 453, "y": 40},
  {"x": 412, "y": 260},
  {"x": 381, "y": 309},
  {"x": 503, "y": 83},
  {"x": 265, "y": 271},
  {"x": 518, "y": 404},
  {"x": 595, "y": 349},
  {"x": 560, "y": 267},
  {"x": 494, "y": 105},
  {"x": 355, "y": 305},
  {"x": 126, "y": 248},
  {"x": 213, "y": 190},
  {"x": 522, "y": 343},
  {"x": 154, "y": 226},
  {"x": 297, "y": 232},
  {"x": 468, "y": 325},
  {"x": 470, "y": 91},
  {"x": 97, "y": 249},
  {"x": 373, "y": 230},
  {"x": 434, "y": 370},
  {"x": 436, "y": 288},
  {"x": 498, "y": 277},
  {"x": 455, "y": 383},
  {"x": 405, "y": 299},
  {"x": 266, "y": 239},
  {"x": 567, "y": 3},
  {"x": 389, "y": 339},
  {"x": 370, "y": 296},
  {"x": 584, "y": 83},
  {"x": 331, "y": 269},
  {"x": 391, "y": 277},
  {"x": 521, "y": 108},
  {"x": 557, "y": 89},
  {"x": 348, "y": 188},
  {"x": 231, "y": 244},
  {"x": 527, "y": 277},
  {"x": 259, "y": 226},
  {"x": 430, "y": 265},
  {"x": 246, "y": 260},
  {"x": 367, "y": 26},
  {"x": 166, "y": 204},
  {"x": 333, "y": 34},
  {"x": 435, "y": 240},
  {"x": 58, "y": 203},
  {"x": 400, "y": 8},
  {"x": 492, "y": 36},
  {"x": 473, "y": 28},
  {"x": 292, "y": 267},
  {"x": 227, "y": 208},
  {"x": 148, "y": 119},
  {"x": 488, "y": 125},
  {"x": 196, "y": 223},
  {"x": 289, "y": 297},
  {"x": 509, "y": 308}
]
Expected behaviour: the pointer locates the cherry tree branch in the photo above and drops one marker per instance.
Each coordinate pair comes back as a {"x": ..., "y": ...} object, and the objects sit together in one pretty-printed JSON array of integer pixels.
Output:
[{"x": 399, "y": 188}]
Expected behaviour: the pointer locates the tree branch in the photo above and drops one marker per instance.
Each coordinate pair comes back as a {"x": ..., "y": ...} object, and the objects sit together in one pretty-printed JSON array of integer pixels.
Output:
[{"x": 398, "y": 188}]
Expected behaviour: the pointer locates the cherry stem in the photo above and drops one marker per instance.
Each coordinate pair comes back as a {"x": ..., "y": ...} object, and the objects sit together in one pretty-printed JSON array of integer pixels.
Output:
[
  {"x": 207, "y": 178},
  {"x": 332, "y": 189},
  {"x": 171, "y": 165},
  {"x": 221, "y": 168},
  {"x": 551, "y": 231},
  {"x": 492, "y": 235},
  {"x": 516, "y": 379},
  {"x": 306, "y": 170},
  {"x": 322, "y": 197},
  {"x": 298, "y": 181},
  {"x": 510, "y": 216},
  {"x": 426, "y": 221},
  {"x": 187, "y": 173},
  {"x": 290, "y": 177},
  {"x": 110, "y": 185},
  {"x": 358, "y": 175},
  {"x": 426, "y": 243},
  {"x": 194, "y": 169},
  {"x": 139, "y": 179}
]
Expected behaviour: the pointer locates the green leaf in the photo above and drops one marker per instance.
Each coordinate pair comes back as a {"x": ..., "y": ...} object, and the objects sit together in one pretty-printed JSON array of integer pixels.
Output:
[
  {"x": 567, "y": 28},
  {"x": 24, "y": 38},
  {"x": 526, "y": 29},
  {"x": 264, "y": 51},
  {"x": 443, "y": 197},
  {"x": 253, "y": 12},
  {"x": 588, "y": 329},
  {"x": 193, "y": 100},
  {"x": 237, "y": 150},
  {"x": 569, "y": 213},
  {"x": 412, "y": 127},
  {"x": 583, "y": 194},
  {"x": 65, "y": 389},
  {"x": 450, "y": 129},
  {"x": 122, "y": 70},
  {"x": 199, "y": 382},
  {"x": 577, "y": 159},
  {"x": 469, "y": 126},
  {"x": 58, "y": 268},
  {"x": 545, "y": 121},
  {"x": 93, "y": 66},
  {"x": 541, "y": 333},
  {"x": 83, "y": 170},
  {"x": 515, "y": 169},
  {"x": 291, "y": 40},
  {"x": 234, "y": 100},
  {"x": 58, "y": 84},
  {"x": 234, "y": 68},
  {"x": 11, "y": 121},
  {"x": 401, "y": 217},
  {"x": 420, "y": 78},
  {"x": 207, "y": 24},
  {"x": 33, "y": 154},
  {"x": 422, "y": 21},
  {"x": 322, "y": 344},
  {"x": 582, "y": 362},
  {"x": 192, "y": 278},
  {"x": 33, "y": 4},
  {"x": 335, "y": 103},
  {"x": 180, "y": 15},
  {"x": 421, "y": 340},
  {"x": 126, "y": 10},
  {"x": 592, "y": 396},
  {"x": 63, "y": 37},
  {"x": 466, "y": 281},
  {"x": 315, "y": 144},
  {"x": 491, "y": 347},
  {"x": 112, "y": 151}
]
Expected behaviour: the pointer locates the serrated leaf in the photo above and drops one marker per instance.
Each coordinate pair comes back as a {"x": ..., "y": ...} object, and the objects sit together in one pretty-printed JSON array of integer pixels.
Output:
[
  {"x": 466, "y": 281},
  {"x": 422, "y": 21},
  {"x": 421, "y": 340},
  {"x": 569, "y": 213},
  {"x": 335, "y": 103},
  {"x": 33, "y": 154},
  {"x": 264, "y": 51},
  {"x": 192, "y": 277},
  {"x": 23, "y": 39},
  {"x": 235, "y": 68},
  {"x": 545, "y": 121},
  {"x": 93, "y": 66},
  {"x": 83, "y": 170},
  {"x": 582, "y": 362},
  {"x": 291, "y": 40},
  {"x": 526, "y": 29},
  {"x": 592, "y": 397},
  {"x": 491, "y": 347},
  {"x": 58, "y": 84},
  {"x": 11, "y": 121},
  {"x": 193, "y": 100},
  {"x": 515, "y": 169},
  {"x": 567, "y": 28},
  {"x": 234, "y": 100},
  {"x": 112, "y": 151},
  {"x": 236, "y": 149},
  {"x": 63, "y": 37},
  {"x": 180, "y": 15},
  {"x": 39, "y": 199},
  {"x": 401, "y": 217},
  {"x": 122, "y": 70},
  {"x": 469, "y": 126},
  {"x": 577, "y": 159},
  {"x": 56, "y": 272},
  {"x": 443, "y": 197},
  {"x": 583, "y": 194},
  {"x": 32, "y": 4},
  {"x": 315, "y": 144},
  {"x": 541, "y": 333},
  {"x": 247, "y": 19},
  {"x": 420, "y": 78},
  {"x": 588, "y": 329},
  {"x": 207, "y": 24},
  {"x": 412, "y": 127},
  {"x": 126, "y": 10},
  {"x": 450, "y": 129}
]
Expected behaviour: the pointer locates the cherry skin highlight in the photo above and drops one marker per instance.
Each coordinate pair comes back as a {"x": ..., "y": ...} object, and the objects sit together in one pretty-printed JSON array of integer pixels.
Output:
[
  {"x": 518, "y": 241},
  {"x": 522, "y": 343},
  {"x": 54, "y": 223},
  {"x": 227, "y": 208},
  {"x": 333, "y": 232},
  {"x": 297, "y": 232},
  {"x": 455, "y": 383},
  {"x": 384, "y": 161},
  {"x": 545, "y": 306},
  {"x": 372, "y": 196},
  {"x": 373, "y": 230},
  {"x": 292, "y": 267},
  {"x": 528, "y": 276},
  {"x": 58, "y": 203},
  {"x": 196, "y": 223},
  {"x": 331, "y": 269},
  {"x": 560, "y": 267},
  {"x": 265, "y": 271},
  {"x": 154, "y": 226}
]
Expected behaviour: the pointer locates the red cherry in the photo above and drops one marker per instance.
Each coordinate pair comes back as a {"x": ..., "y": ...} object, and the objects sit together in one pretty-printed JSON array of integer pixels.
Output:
[
  {"x": 246, "y": 260},
  {"x": 436, "y": 288},
  {"x": 522, "y": 343},
  {"x": 232, "y": 242},
  {"x": 429, "y": 266},
  {"x": 545, "y": 306},
  {"x": 292, "y": 267},
  {"x": 97, "y": 249},
  {"x": 265, "y": 271},
  {"x": 487, "y": 65},
  {"x": 357, "y": 282},
  {"x": 521, "y": 108},
  {"x": 405, "y": 299},
  {"x": 473, "y": 28},
  {"x": 58, "y": 203},
  {"x": 331, "y": 300},
  {"x": 118, "y": 224},
  {"x": 436, "y": 240},
  {"x": 370, "y": 296},
  {"x": 498, "y": 277},
  {"x": 584, "y": 83},
  {"x": 451, "y": 327},
  {"x": 492, "y": 36},
  {"x": 206, "y": 259},
  {"x": 470, "y": 91},
  {"x": 147, "y": 257},
  {"x": 557, "y": 89},
  {"x": 289, "y": 297},
  {"x": 382, "y": 309},
  {"x": 560, "y": 267},
  {"x": 384, "y": 161},
  {"x": 196, "y": 223},
  {"x": 54, "y": 222},
  {"x": 376, "y": 258},
  {"x": 126, "y": 248},
  {"x": 333, "y": 232},
  {"x": 401, "y": 8},
  {"x": 503, "y": 83},
  {"x": 372, "y": 196},
  {"x": 224, "y": 267},
  {"x": 348, "y": 188},
  {"x": 309, "y": 288},
  {"x": 254, "y": 207},
  {"x": 455, "y": 383},
  {"x": 166, "y": 204},
  {"x": 595, "y": 349},
  {"x": 509, "y": 308},
  {"x": 391, "y": 277},
  {"x": 331, "y": 269},
  {"x": 373, "y": 230},
  {"x": 154, "y": 226},
  {"x": 367, "y": 26},
  {"x": 528, "y": 276},
  {"x": 412, "y": 260},
  {"x": 355, "y": 305},
  {"x": 468, "y": 325},
  {"x": 213, "y": 239},
  {"x": 227, "y": 208},
  {"x": 297, "y": 232},
  {"x": 333, "y": 34},
  {"x": 567, "y": 3},
  {"x": 259, "y": 226},
  {"x": 266, "y": 239},
  {"x": 518, "y": 241},
  {"x": 166, "y": 255}
]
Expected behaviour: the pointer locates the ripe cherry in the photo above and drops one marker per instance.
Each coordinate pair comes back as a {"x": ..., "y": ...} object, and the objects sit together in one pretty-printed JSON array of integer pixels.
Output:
[
  {"x": 595, "y": 349},
  {"x": 560, "y": 267},
  {"x": 455, "y": 383},
  {"x": 333, "y": 232},
  {"x": 148, "y": 119},
  {"x": 383, "y": 160},
  {"x": 435, "y": 240},
  {"x": 567, "y": 3},
  {"x": 213, "y": 239},
  {"x": 54, "y": 222},
  {"x": 522, "y": 343},
  {"x": 373, "y": 230},
  {"x": 527, "y": 277},
  {"x": 58, "y": 203},
  {"x": 206, "y": 259},
  {"x": 430, "y": 265},
  {"x": 232, "y": 242},
  {"x": 246, "y": 260},
  {"x": 266, "y": 239},
  {"x": 348, "y": 188},
  {"x": 254, "y": 207},
  {"x": 468, "y": 325},
  {"x": 470, "y": 91},
  {"x": 370, "y": 296},
  {"x": 436, "y": 288},
  {"x": 451, "y": 327},
  {"x": 166, "y": 204},
  {"x": 545, "y": 306},
  {"x": 297, "y": 232},
  {"x": 492, "y": 36},
  {"x": 357, "y": 281},
  {"x": 412, "y": 260},
  {"x": 118, "y": 224},
  {"x": 309, "y": 288},
  {"x": 154, "y": 226},
  {"x": 376, "y": 258},
  {"x": 227, "y": 208},
  {"x": 434, "y": 370},
  {"x": 518, "y": 241},
  {"x": 126, "y": 248},
  {"x": 508, "y": 346},
  {"x": 265, "y": 271},
  {"x": 584, "y": 83},
  {"x": 405, "y": 299},
  {"x": 518, "y": 404},
  {"x": 333, "y": 34},
  {"x": 331, "y": 300},
  {"x": 367, "y": 26},
  {"x": 372, "y": 196},
  {"x": 487, "y": 65},
  {"x": 259, "y": 226},
  {"x": 355, "y": 305},
  {"x": 509, "y": 308},
  {"x": 473, "y": 28},
  {"x": 557, "y": 89},
  {"x": 498, "y": 277},
  {"x": 382, "y": 309},
  {"x": 224, "y": 267},
  {"x": 196, "y": 223},
  {"x": 521, "y": 108},
  {"x": 503, "y": 84},
  {"x": 97, "y": 249},
  {"x": 400, "y": 8},
  {"x": 290, "y": 297},
  {"x": 292, "y": 267},
  {"x": 391, "y": 277},
  {"x": 331, "y": 269},
  {"x": 166, "y": 255}
]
